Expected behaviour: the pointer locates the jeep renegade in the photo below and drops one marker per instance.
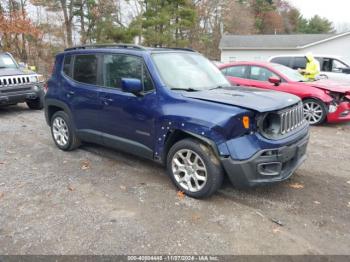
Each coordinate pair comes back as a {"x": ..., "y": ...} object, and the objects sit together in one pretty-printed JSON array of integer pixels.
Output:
[{"x": 175, "y": 107}]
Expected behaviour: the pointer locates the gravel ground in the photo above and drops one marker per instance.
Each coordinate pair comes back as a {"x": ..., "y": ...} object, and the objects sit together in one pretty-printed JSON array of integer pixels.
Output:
[{"x": 99, "y": 201}]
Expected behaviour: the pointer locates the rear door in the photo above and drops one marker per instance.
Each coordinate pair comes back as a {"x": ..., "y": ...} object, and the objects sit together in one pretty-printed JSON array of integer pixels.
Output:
[
  {"x": 80, "y": 91},
  {"x": 237, "y": 75},
  {"x": 299, "y": 62},
  {"x": 283, "y": 60}
]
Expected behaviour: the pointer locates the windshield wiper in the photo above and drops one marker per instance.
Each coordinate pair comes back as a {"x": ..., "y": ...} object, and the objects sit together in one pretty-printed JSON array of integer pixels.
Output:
[
  {"x": 218, "y": 87},
  {"x": 190, "y": 89}
]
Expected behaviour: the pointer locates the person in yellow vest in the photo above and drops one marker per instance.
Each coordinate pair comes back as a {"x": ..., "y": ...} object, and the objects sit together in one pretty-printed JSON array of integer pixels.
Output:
[{"x": 312, "y": 69}]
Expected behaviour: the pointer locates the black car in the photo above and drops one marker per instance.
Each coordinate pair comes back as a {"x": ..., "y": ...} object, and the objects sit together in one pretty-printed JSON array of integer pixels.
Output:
[{"x": 18, "y": 85}]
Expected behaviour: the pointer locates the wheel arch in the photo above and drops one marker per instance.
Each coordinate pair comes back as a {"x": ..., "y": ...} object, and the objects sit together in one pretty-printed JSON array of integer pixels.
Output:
[
  {"x": 177, "y": 135},
  {"x": 52, "y": 106}
]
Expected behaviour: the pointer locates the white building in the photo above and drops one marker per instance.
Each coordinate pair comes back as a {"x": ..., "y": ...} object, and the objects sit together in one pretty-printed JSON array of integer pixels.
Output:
[{"x": 262, "y": 47}]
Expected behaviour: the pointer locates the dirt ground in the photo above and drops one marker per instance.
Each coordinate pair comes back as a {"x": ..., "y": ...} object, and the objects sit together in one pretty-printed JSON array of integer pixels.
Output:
[{"x": 99, "y": 201}]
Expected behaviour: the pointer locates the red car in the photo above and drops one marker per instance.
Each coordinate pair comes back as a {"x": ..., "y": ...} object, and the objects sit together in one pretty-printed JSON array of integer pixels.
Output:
[{"x": 324, "y": 100}]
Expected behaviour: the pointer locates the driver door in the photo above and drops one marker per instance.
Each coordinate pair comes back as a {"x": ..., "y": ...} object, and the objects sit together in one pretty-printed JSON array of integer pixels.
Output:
[
  {"x": 128, "y": 119},
  {"x": 259, "y": 77}
]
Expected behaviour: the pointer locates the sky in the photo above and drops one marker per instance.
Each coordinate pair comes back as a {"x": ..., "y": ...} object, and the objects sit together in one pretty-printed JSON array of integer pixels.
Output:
[{"x": 335, "y": 10}]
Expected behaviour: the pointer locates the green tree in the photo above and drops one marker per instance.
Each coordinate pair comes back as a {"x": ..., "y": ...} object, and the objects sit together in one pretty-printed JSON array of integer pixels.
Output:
[
  {"x": 262, "y": 9},
  {"x": 167, "y": 22},
  {"x": 316, "y": 25}
]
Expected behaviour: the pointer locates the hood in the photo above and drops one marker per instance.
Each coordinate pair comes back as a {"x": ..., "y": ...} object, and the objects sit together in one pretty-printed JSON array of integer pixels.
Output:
[
  {"x": 250, "y": 98},
  {"x": 334, "y": 86},
  {"x": 13, "y": 72}
]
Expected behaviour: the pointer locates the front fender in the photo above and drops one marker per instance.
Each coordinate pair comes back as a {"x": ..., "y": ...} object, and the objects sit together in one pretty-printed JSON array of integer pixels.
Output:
[{"x": 210, "y": 133}]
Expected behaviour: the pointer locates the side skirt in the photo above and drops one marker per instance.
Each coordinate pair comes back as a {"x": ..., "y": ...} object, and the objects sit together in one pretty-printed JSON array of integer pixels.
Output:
[{"x": 116, "y": 142}]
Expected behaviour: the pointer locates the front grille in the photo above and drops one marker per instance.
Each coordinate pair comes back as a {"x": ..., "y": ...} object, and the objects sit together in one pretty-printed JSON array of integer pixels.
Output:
[
  {"x": 291, "y": 118},
  {"x": 13, "y": 90},
  {"x": 10, "y": 81}
]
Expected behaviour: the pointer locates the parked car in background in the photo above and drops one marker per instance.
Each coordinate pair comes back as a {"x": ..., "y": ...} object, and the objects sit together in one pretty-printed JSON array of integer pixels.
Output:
[
  {"x": 18, "y": 85},
  {"x": 175, "y": 107},
  {"x": 331, "y": 67},
  {"x": 324, "y": 100}
]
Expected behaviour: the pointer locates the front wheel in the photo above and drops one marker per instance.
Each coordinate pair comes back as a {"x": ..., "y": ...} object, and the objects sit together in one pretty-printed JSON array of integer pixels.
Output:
[
  {"x": 194, "y": 168},
  {"x": 36, "y": 104},
  {"x": 315, "y": 111}
]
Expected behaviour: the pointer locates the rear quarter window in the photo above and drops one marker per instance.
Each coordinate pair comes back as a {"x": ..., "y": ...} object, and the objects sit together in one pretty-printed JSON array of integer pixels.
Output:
[
  {"x": 286, "y": 61},
  {"x": 67, "y": 65}
]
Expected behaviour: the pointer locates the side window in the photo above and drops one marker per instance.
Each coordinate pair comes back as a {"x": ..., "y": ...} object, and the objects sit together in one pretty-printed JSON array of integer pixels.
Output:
[
  {"x": 260, "y": 74},
  {"x": 338, "y": 66},
  {"x": 147, "y": 80},
  {"x": 235, "y": 71},
  {"x": 67, "y": 65},
  {"x": 299, "y": 62},
  {"x": 282, "y": 61},
  {"x": 116, "y": 67},
  {"x": 85, "y": 69},
  {"x": 326, "y": 65}
]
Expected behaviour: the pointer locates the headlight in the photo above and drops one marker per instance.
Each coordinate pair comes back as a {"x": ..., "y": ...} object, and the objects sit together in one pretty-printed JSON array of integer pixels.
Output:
[
  {"x": 41, "y": 78},
  {"x": 332, "y": 108},
  {"x": 271, "y": 124},
  {"x": 33, "y": 79}
]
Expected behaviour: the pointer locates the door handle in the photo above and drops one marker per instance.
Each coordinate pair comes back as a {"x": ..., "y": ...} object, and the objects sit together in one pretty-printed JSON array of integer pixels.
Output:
[{"x": 107, "y": 100}]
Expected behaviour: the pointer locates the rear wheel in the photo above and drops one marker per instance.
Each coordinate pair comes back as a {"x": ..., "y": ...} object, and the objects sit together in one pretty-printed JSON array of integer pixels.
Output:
[
  {"x": 315, "y": 111},
  {"x": 63, "y": 133},
  {"x": 194, "y": 168}
]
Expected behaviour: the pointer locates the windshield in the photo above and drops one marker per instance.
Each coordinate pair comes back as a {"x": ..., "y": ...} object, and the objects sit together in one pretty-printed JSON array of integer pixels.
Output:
[
  {"x": 6, "y": 61},
  {"x": 188, "y": 71},
  {"x": 291, "y": 74}
]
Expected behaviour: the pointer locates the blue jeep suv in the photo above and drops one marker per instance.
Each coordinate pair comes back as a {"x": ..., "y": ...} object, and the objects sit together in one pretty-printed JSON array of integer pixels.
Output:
[{"x": 175, "y": 107}]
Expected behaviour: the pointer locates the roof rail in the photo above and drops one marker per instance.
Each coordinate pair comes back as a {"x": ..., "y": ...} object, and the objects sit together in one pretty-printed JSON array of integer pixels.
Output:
[
  {"x": 112, "y": 45},
  {"x": 182, "y": 48}
]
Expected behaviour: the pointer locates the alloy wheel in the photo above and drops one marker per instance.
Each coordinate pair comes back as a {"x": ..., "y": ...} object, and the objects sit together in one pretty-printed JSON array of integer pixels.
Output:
[
  {"x": 313, "y": 112},
  {"x": 60, "y": 131},
  {"x": 189, "y": 170}
]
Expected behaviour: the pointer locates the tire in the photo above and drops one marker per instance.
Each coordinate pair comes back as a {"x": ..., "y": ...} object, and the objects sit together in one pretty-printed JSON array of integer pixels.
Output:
[
  {"x": 36, "y": 104},
  {"x": 190, "y": 159},
  {"x": 63, "y": 133},
  {"x": 315, "y": 111}
]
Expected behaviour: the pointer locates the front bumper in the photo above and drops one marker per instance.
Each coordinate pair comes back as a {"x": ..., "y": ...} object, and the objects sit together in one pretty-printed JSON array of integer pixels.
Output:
[
  {"x": 341, "y": 115},
  {"x": 20, "y": 94},
  {"x": 266, "y": 166}
]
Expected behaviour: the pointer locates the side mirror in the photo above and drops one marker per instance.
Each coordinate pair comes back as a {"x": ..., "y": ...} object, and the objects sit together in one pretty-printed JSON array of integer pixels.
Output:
[
  {"x": 275, "y": 80},
  {"x": 346, "y": 70},
  {"x": 132, "y": 85}
]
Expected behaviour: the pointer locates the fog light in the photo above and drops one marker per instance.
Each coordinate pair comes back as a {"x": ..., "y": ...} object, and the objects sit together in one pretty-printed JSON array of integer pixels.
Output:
[
  {"x": 333, "y": 108},
  {"x": 270, "y": 169},
  {"x": 345, "y": 113}
]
